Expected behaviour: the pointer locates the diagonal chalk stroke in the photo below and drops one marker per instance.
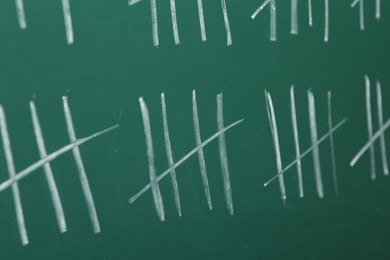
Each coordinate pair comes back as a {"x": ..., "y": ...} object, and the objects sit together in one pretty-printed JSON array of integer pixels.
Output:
[
  {"x": 326, "y": 31},
  {"x": 275, "y": 137},
  {"x": 153, "y": 9},
  {"x": 47, "y": 159},
  {"x": 68, "y": 21},
  {"x": 223, "y": 156},
  {"x": 361, "y": 11},
  {"x": 198, "y": 140},
  {"x": 201, "y": 21},
  {"x": 369, "y": 125},
  {"x": 378, "y": 9},
  {"x": 80, "y": 168},
  {"x": 260, "y": 8},
  {"x": 55, "y": 197},
  {"x": 314, "y": 142},
  {"x": 272, "y": 7},
  {"x": 21, "y": 15},
  {"x": 227, "y": 24},
  {"x": 168, "y": 149},
  {"x": 380, "y": 125},
  {"x": 322, "y": 139},
  {"x": 12, "y": 172},
  {"x": 294, "y": 17},
  {"x": 157, "y": 198},
  {"x": 331, "y": 143},
  {"x": 182, "y": 160},
  {"x": 174, "y": 22},
  {"x": 296, "y": 142}
]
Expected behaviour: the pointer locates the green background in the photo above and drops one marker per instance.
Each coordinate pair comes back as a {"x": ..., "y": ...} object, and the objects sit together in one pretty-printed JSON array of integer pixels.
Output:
[{"x": 113, "y": 62}]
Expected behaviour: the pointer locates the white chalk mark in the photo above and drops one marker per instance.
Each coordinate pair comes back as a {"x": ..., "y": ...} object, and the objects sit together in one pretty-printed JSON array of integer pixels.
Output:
[
  {"x": 80, "y": 168},
  {"x": 361, "y": 11},
  {"x": 314, "y": 142},
  {"x": 227, "y": 25},
  {"x": 182, "y": 160},
  {"x": 378, "y": 9},
  {"x": 223, "y": 156},
  {"x": 153, "y": 8},
  {"x": 174, "y": 22},
  {"x": 380, "y": 125},
  {"x": 310, "y": 10},
  {"x": 133, "y": 2},
  {"x": 260, "y": 8},
  {"x": 296, "y": 142},
  {"x": 11, "y": 171},
  {"x": 30, "y": 169},
  {"x": 55, "y": 197},
  {"x": 326, "y": 31},
  {"x": 294, "y": 17},
  {"x": 323, "y": 138},
  {"x": 201, "y": 20},
  {"x": 168, "y": 149},
  {"x": 202, "y": 163},
  {"x": 275, "y": 136},
  {"x": 331, "y": 143},
  {"x": 68, "y": 21},
  {"x": 272, "y": 3},
  {"x": 20, "y": 13},
  {"x": 157, "y": 198},
  {"x": 369, "y": 126}
]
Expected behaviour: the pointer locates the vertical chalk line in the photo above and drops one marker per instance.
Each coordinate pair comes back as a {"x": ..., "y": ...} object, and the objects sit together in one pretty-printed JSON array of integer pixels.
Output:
[
  {"x": 378, "y": 9},
  {"x": 153, "y": 8},
  {"x": 182, "y": 160},
  {"x": 201, "y": 21},
  {"x": 294, "y": 17},
  {"x": 168, "y": 149},
  {"x": 380, "y": 125},
  {"x": 11, "y": 171},
  {"x": 174, "y": 22},
  {"x": 273, "y": 20},
  {"x": 80, "y": 168},
  {"x": 296, "y": 142},
  {"x": 331, "y": 143},
  {"x": 157, "y": 198},
  {"x": 310, "y": 10},
  {"x": 227, "y": 24},
  {"x": 260, "y": 8},
  {"x": 361, "y": 12},
  {"x": 326, "y": 31},
  {"x": 223, "y": 155},
  {"x": 274, "y": 130},
  {"x": 55, "y": 197},
  {"x": 20, "y": 13},
  {"x": 369, "y": 126},
  {"x": 314, "y": 142},
  {"x": 202, "y": 163},
  {"x": 68, "y": 21}
]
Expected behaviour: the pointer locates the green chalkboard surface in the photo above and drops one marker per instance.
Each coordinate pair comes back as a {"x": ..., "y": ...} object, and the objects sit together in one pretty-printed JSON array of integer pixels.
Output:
[{"x": 194, "y": 129}]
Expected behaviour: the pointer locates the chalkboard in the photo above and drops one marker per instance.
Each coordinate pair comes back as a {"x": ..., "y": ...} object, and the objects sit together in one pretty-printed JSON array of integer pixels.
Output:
[{"x": 194, "y": 129}]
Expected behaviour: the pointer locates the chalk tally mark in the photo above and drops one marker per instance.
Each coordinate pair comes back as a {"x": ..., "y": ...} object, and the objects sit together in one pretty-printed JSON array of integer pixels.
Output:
[
  {"x": 227, "y": 23},
  {"x": 272, "y": 5},
  {"x": 361, "y": 11},
  {"x": 20, "y": 13},
  {"x": 68, "y": 21},
  {"x": 332, "y": 147}
]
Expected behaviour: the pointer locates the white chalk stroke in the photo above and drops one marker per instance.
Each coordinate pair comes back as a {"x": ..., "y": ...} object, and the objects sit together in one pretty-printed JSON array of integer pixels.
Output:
[
  {"x": 227, "y": 23},
  {"x": 68, "y": 21},
  {"x": 294, "y": 17},
  {"x": 201, "y": 20},
  {"x": 20, "y": 13},
  {"x": 314, "y": 149},
  {"x": 361, "y": 12},
  {"x": 44, "y": 162},
  {"x": 378, "y": 9},
  {"x": 220, "y": 135},
  {"x": 373, "y": 137},
  {"x": 331, "y": 144},
  {"x": 310, "y": 11},
  {"x": 272, "y": 6}
]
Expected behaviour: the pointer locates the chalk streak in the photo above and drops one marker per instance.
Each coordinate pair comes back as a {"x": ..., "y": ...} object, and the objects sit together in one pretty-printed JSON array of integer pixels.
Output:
[
  {"x": 11, "y": 171},
  {"x": 168, "y": 149},
  {"x": 80, "y": 168},
  {"x": 296, "y": 142},
  {"x": 294, "y": 17},
  {"x": 198, "y": 140},
  {"x": 310, "y": 10},
  {"x": 326, "y": 31},
  {"x": 331, "y": 143},
  {"x": 323, "y": 138},
  {"x": 153, "y": 8},
  {"x": 227, "y": 24},
  {"x": 275, "y": 136},
  {"x": 174, "y": 22},
  {"x": 157, "y": 198},
  {"x": 314, "y": 142},
  {"x": 30, "y": 169},
  {"x": 273, "y": 21},
  {"x": 369, "y": 126},
  {"x": 20, "y": 13},
  {"x": 55, "y": 197},
  {"x": 260, "y": 8},
  {"x": 380, "y": 125},
  {"x": 68, "y": 21},
  {"x": 378, "y": 9},
  {"x": 223, "y": 156},
  {"x": 361, "y": 12},
  {"x": 201, "y": 21},
  {"x": 182, "y": 160}
]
